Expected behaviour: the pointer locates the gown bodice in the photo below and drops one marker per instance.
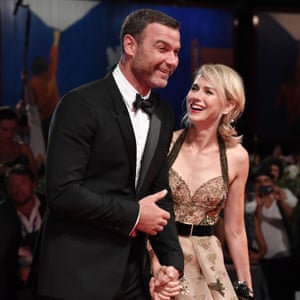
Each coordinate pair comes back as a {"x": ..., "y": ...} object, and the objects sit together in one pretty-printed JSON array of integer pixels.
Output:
[{"x": 204, "y": 206}]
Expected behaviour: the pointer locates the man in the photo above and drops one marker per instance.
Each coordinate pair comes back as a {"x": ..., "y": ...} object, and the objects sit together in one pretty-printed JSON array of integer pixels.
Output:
[
  {"x": 106, "y": 176},
  {"x": 271, "y": 209},
  {"x": 283, "y": 194},
  {"x": 30, "y": 208}
]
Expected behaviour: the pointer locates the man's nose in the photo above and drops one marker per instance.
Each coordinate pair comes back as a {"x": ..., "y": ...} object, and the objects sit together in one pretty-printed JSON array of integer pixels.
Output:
[{"x": 172, "y": 59}]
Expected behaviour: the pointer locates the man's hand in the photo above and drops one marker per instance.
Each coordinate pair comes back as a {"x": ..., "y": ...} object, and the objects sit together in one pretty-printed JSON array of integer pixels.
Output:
[
  {"x": 152, "y": 218},
  {"x": 279, "y": 193}
]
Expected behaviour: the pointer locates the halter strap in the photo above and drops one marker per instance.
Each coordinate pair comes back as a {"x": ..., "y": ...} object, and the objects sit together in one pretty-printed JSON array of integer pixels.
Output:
[
  {"x": 176, "y": 147},
  {"x": 222, "y": 148}
]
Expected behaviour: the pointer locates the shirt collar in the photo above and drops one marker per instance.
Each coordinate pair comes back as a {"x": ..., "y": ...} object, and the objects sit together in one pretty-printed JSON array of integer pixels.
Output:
[
  {"x": 127, "y": 90},
  {"x": 35, "y": 209}
]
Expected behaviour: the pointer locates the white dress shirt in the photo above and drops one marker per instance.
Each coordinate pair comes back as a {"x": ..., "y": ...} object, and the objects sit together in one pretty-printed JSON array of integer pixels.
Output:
[
  {"x": 139, "y": 119},
  {"x": 140, "y": 122}
]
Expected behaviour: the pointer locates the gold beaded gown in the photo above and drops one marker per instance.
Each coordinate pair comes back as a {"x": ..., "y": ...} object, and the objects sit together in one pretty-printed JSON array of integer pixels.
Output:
[{"x": 205, "y": 276}]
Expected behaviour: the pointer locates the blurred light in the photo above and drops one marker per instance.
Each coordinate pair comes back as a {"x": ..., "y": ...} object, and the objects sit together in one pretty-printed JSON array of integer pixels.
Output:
[
  {"x": 236, "y": 22},
  {"x": 255, "y": 20}
]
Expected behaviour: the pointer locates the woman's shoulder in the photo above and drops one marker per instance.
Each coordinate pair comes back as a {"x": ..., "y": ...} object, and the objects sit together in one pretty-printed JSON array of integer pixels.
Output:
[
  {"x": 176, "y": 134},
  {"x": 237, "y": 154},
  {"x": 238, "y": 164}
]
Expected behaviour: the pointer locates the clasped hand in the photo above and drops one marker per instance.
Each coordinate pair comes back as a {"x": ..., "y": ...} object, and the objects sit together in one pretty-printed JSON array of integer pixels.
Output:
[{"x": 165, "y": 284}]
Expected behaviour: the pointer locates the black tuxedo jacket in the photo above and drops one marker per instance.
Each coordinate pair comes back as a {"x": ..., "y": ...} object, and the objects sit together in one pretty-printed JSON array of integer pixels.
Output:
[
  {"x": 91, "y": 194},
  {"x": 10, "y": 233}
]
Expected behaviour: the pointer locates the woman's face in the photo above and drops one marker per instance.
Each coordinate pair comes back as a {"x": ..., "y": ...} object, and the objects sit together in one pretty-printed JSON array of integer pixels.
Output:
[
  {"x": 8, "y": 129},
  {"x": 204, "y": 103}
]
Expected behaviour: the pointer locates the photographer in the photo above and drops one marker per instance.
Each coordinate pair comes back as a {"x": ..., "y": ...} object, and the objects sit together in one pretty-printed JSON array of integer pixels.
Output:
[
  {"x": 282, "y": 193},
  {"x": 273, "y": 210}
]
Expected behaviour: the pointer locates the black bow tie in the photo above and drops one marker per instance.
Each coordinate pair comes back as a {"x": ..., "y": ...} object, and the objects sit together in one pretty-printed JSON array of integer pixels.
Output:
[{"x": 146, "y": 105}]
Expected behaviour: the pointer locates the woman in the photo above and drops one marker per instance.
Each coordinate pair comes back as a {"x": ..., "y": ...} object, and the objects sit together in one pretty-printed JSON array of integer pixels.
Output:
[
  {"x": 11, "y": 151},
  {"x": 208, "y": 172}
]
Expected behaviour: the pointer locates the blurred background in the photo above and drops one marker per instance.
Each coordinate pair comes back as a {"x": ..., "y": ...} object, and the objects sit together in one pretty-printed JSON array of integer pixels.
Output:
[{"x": 260, "y": 39}]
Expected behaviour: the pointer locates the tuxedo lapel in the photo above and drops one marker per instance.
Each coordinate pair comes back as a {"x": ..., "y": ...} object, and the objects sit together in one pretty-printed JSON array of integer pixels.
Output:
[
  {"x": 129, "y": 139},
  {"x": 151, "y": 145},
  {"x": 123, "y": 119}
]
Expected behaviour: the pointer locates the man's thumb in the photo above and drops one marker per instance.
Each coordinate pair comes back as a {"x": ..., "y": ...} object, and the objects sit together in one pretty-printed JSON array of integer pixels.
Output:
[{"x": 160, "y": 195}]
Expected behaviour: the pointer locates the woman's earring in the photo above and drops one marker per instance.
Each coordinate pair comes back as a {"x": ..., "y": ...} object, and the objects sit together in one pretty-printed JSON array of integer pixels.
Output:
[{"x": 233, "y": 123}]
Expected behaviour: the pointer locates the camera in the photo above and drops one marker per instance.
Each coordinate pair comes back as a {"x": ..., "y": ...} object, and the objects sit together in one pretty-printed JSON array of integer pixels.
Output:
[{"x": 265, "y": 190}]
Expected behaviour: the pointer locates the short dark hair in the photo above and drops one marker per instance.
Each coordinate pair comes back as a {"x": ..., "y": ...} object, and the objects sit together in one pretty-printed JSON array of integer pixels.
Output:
[
  {"x": 135, "y": 23},
  {"x": 7, "y": 113},
  {"x": 20, "y": 169},
  {"x": 273, "y": 160},
  {"x": 261, "y": 170}
]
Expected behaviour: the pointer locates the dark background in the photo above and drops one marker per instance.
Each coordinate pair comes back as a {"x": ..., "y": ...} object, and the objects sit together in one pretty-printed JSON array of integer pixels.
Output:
[{"x": 256, "y": 123}]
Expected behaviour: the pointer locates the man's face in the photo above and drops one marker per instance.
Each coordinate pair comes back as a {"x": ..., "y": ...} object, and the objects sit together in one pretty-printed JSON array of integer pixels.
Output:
[
  {"x": 156, "y": 56},
  {"x": 262, "y": 180},
  {"x": 20, "y": 188},
  {"x": 8, "y": 129}
]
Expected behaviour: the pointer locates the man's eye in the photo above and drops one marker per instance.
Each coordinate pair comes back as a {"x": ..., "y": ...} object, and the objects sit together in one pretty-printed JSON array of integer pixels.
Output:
[{"x": 162, "y": 49}]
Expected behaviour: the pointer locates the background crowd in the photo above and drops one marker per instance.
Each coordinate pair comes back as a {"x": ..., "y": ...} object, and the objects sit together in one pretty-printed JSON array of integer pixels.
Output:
[{"x": 23, "y": 142}]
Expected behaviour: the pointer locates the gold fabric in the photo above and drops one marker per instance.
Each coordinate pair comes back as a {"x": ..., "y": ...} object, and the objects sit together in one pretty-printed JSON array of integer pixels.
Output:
[{"x": 205, "y": 276}]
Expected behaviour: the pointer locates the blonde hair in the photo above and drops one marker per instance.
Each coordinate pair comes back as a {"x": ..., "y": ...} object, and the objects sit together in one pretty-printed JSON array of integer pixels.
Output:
[{"x": 229, "y": 85}]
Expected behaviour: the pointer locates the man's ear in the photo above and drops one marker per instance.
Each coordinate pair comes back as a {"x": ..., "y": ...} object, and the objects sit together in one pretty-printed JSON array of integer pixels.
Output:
[{"x": 129, "y": 45}]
